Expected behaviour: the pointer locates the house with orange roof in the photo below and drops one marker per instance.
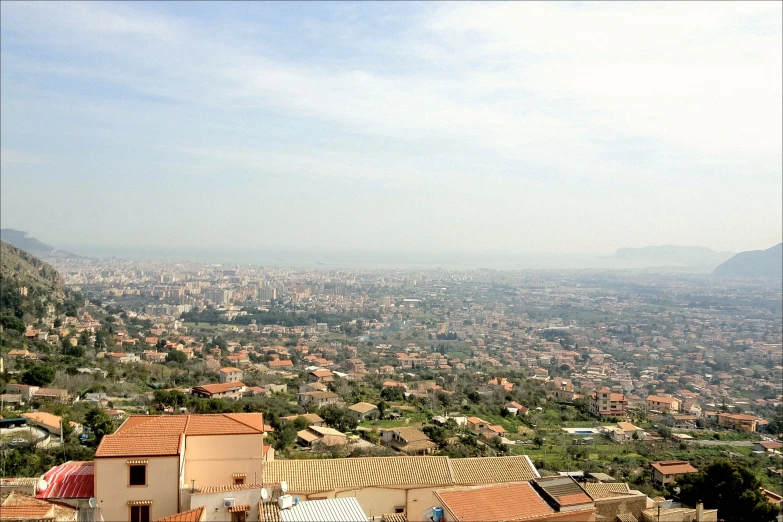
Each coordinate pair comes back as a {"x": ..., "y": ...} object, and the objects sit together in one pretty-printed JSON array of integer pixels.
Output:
[
  {"x": 147, "y": 469},
  {"x": 738, "y": 421},
  {"x": 604, "y": 402},
  {"x": 663, "y": 404},
  {"x": 667, "y": 471},
  {"x": 231, "y": 374},
  {"x": 226, "y": 390}
]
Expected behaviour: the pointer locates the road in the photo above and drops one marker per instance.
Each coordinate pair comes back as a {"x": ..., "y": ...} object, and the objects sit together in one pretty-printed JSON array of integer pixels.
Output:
[{"x": 721, "y": 442}]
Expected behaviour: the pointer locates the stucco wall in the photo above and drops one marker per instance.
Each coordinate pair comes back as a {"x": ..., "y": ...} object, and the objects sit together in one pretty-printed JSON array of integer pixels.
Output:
[
  {"x": 611, "y": 507},
  {"x": 113, "y": 493},
  {"x": 212, "y": 460}
]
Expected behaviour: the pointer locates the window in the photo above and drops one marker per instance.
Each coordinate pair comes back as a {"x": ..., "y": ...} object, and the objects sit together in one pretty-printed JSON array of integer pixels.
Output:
[
  {"x": 238, "y": 517},
  {"x": 138, "y": 475},
  {"x": 239, "y": 480},
  {"x": 140, "y": 514},
  {"x": 399, "y": 509}
]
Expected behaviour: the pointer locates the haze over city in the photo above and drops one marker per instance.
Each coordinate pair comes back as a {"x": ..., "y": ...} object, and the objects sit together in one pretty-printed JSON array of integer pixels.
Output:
[{"x": 511, "y": 128}]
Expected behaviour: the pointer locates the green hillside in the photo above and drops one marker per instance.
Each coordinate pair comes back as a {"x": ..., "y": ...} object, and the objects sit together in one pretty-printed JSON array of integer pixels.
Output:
[{"x": 27, "y": 286}]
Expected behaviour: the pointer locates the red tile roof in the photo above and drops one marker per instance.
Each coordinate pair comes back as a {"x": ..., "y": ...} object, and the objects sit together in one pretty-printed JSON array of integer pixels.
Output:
[
  {"x": 69, "y": 480},
  {"x": 674, "y": 467},
  {"x": 145, "y": 435},
  {"x": 193, "y": 515},
  {"x": 482, "y": 503}
]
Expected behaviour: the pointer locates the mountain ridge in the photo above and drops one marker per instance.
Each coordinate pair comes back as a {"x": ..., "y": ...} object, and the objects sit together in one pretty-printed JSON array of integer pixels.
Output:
[
  {"x": 754, "y": 264},
  {"x": 22, "y": 240},
  {"x": 690, "y": 256}
]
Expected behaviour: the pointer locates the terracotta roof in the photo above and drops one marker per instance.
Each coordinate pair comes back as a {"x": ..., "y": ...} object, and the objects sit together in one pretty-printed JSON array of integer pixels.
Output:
[
  {"x": 479, "y": 504},
  {"x": 70, "y": 480},
  {"x": 363, "y": 407},
  {"x": 488, "y": 470},
  {"x": 18, "y": 513},
  {"x": 159, "y": 435},
  {"x": 662, "y": 400},
  {"x": 674, "y": 467},
  {"x": 193, "y": 515},
  {"x": 238, "y": 508},
  {"x": 47, "y": 419},
  {"x": 229, "y": 369},
  {"x": 222, "y": 387}
]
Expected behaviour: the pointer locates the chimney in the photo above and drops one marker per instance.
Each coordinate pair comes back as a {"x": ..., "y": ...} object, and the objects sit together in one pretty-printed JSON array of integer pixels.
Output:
[{"x": 699, "y": 512}]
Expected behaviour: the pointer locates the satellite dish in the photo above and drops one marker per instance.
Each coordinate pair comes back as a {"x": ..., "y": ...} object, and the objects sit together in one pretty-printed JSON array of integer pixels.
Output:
[
  {"x": 93, "y": 503},
  {"x": 42, "y": 484},
  {"x": 284, "y": 486},
  {"x": 264, "y": 494}
]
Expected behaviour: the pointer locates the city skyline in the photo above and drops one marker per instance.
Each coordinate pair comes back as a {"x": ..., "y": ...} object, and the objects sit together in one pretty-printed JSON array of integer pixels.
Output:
[{"x": 510, "y": 128}]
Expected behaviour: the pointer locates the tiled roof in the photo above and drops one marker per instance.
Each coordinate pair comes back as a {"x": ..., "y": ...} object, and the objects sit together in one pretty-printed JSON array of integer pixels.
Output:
[
  {"x": 47, "y": 419},
  {"x": 674, "y": 467},
  {"x": 18, "y": 513},
  {"x": 222, "y": 387},
  {"x": 305, "y": 476},
  {"x": 488, "y": 470},
  {"x": 159, "y": 435},
  {"x": 662, "y": 400},
  {"x": 508, "y": 502},
  {"x": 239, "y": 508},
  {"x": 68, "y": 481},
  {"x": 193, "y": 515},
  {"x": 362, "y": 407},
  {"x": 599, "y": 490}
]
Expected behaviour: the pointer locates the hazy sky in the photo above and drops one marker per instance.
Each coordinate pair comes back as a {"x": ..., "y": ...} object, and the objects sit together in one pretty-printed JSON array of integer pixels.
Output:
[{"x": 519, "y": 127}]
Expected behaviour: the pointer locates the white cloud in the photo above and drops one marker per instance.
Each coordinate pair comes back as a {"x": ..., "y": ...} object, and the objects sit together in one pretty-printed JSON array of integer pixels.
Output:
[{"x": 588, "y": 100}]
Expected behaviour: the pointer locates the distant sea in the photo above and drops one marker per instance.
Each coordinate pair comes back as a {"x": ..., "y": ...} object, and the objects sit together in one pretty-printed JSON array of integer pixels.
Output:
[{"x": 356, "y": 259}]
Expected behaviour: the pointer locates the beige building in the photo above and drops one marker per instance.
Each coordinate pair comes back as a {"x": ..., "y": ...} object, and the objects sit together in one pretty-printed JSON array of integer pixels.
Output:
[
  {"x": 226, "y": 390},
  {"x": 408, "y": 440},
  {"x": 384, "y": 485},
  {"x": 231, "y": 374},
  {"x": 604, "y": 403},
  {"x": 145, "y": 470},
  {"x": 663, "y": 404}
]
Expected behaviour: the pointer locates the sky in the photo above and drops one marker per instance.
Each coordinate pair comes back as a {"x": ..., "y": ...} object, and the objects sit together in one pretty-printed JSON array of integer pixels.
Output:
[{"x": 511, "y": 127}]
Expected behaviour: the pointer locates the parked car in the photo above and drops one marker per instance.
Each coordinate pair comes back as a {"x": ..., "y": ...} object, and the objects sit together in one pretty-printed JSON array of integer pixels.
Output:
[{"x": 17, "y": 442}]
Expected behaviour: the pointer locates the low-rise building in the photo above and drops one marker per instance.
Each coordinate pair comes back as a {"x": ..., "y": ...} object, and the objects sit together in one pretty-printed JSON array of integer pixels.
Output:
[
  {"x": 364, "y": 410},
  {"x": 663, "y": 404},
  {"x": 603, "y": 402},
  {"x": 231, "y": 374},
  {"x": 666, "y": 471},
  {"x": 408, "y": 440},
  {"x": 226, "y": 390}
]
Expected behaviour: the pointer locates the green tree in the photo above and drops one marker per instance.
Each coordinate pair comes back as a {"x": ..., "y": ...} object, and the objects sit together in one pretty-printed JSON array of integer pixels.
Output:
[
  {"x": 338, "y": 418},
  {"x": 732, "y": 489},
  {"x": 176, "y": 356},
  {"x": 100, "y": 424},
  {"x": 39, "y": 375}
]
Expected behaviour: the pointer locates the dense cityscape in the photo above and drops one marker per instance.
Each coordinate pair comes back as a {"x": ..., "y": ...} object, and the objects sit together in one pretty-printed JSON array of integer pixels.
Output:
[
  {"x": 621, "y": 382},
  {"x": 361, "y": 261}
]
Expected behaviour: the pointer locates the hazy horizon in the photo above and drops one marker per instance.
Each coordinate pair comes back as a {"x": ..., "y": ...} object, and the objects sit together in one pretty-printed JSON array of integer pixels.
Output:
[{"x": 501, "y": 129}]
